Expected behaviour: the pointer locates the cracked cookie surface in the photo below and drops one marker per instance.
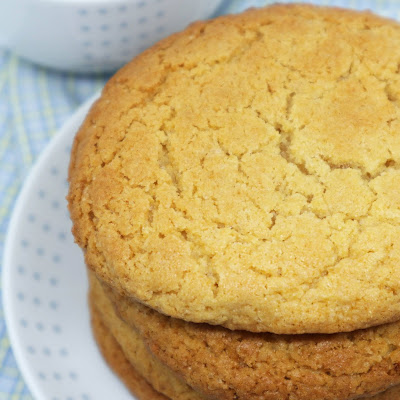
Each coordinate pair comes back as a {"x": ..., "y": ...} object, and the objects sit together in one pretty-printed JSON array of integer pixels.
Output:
[{"x": 245, "y": 172}]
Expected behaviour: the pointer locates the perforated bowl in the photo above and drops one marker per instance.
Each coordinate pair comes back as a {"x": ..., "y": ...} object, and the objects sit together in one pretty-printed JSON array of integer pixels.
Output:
[{"x": 92, "y": 35}]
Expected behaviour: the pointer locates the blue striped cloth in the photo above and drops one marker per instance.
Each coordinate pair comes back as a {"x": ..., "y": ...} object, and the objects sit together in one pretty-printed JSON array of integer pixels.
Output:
[{"x": 34, "y": 103}]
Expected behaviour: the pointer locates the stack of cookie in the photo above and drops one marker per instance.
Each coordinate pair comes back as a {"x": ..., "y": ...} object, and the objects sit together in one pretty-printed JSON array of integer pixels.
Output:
[{"x": 236, "y": 191}]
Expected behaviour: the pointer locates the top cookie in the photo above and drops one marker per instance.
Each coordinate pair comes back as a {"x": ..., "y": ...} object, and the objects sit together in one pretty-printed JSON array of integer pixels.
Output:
[{"x": 245, "y": 172}]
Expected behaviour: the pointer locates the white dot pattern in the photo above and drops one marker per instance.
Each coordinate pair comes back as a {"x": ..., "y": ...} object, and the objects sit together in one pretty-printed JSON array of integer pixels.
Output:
[
  {"x": 46, "y": 289},
  {"x": 103, "y": 32}
]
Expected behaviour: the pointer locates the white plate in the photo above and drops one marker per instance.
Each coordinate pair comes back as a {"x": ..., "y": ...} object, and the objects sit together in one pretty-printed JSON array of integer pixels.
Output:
[{"x": 45, "y": 287}]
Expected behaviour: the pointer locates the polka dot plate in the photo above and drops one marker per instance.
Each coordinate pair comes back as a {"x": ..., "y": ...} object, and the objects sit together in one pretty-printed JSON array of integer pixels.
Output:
[{"x": 45, "y": 287}]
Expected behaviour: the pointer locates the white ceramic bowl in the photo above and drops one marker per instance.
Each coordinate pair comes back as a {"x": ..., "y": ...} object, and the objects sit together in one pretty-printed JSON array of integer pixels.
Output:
[{"x": 92, "y": 35}]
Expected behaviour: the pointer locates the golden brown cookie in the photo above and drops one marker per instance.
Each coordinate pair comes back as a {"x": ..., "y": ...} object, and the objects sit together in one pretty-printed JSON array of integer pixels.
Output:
[
  {"x": 162, "y": 379},
  {"x": 127, "y": 340},
  {"x": 227, "y": 365},
  {"x": 245, "y": 173},
  {"x": 116, "y": 359}
]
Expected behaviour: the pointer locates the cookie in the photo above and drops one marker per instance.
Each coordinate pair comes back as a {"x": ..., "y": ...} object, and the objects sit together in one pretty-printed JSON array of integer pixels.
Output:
[
  {"x": 226, "y": 365},
  {"x": 132, "y": 347},
  {"x": 128, "y": 340},
  {"x": 245, "y": 173},
  {"x": 161, "y": 378},
  {"x": 116, "y": 359}
]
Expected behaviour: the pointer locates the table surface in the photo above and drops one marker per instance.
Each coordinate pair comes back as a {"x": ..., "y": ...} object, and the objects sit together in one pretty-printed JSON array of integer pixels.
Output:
[{"x": 34, "y": 103}]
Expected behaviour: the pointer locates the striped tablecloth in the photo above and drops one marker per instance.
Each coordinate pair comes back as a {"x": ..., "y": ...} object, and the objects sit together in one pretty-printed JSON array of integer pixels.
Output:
[{"x": 34, "y": 103}]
